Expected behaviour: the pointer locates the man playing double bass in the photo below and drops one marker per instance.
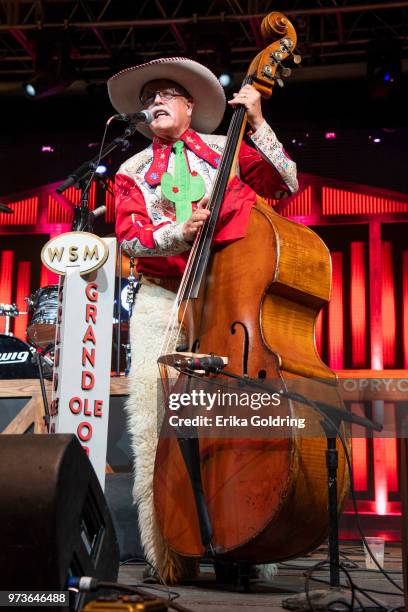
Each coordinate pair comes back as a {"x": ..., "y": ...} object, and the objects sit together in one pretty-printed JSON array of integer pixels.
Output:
[{"x": 161, "y": 193}]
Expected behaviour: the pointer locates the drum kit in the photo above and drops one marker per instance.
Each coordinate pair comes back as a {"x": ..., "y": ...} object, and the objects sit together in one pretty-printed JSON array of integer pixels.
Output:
[
  {"x": 18, "y": 359},
  {"x": 35, "y": 358}
]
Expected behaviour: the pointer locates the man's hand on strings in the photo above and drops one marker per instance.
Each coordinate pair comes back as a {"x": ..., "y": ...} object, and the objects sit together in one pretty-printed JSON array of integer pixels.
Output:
[
  {"x": 250, "y": 98},
  {"x": 197, "y": 220}
]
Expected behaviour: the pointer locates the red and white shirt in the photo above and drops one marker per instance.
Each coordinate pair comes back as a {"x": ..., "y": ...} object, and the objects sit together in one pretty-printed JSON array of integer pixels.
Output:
[{"x": 145, "y": 220}]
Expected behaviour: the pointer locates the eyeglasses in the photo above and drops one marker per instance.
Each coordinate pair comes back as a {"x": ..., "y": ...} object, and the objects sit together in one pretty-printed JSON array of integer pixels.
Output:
[{"x": 165, "y": 95}]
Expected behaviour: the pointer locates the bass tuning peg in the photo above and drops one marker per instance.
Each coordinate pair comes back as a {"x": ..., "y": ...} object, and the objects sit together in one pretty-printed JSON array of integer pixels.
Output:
[
  {"x": 296, "y": 58},
  {"x": 285, "y": 72}
]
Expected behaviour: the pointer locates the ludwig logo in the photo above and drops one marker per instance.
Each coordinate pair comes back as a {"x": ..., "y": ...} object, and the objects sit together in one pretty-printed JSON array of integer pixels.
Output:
[
  {"x": 81, "y": 250},
  {"x": 16, "y": 357}
]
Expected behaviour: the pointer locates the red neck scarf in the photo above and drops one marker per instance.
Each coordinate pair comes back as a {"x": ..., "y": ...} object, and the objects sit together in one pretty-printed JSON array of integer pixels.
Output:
[{"x": 163, "y": 148}]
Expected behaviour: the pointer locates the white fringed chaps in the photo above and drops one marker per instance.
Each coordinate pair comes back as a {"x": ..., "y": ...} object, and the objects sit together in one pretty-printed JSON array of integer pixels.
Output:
[
  {"x": 148, "y": 324},
  {"x": 147, "y": 331}
]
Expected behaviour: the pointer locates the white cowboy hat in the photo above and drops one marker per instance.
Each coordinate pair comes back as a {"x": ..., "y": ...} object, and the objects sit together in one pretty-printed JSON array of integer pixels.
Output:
[{"x": 126, "y": 86}]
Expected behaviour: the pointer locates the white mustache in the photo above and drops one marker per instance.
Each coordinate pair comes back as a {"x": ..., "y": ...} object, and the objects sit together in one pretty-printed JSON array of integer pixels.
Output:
[{"x": 157, "y": 109}]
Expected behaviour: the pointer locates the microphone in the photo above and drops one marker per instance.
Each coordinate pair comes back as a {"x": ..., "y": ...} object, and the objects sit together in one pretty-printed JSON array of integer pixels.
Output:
[
  {"x": 145, "y": 116},
  {"x": 4, "y": 208},
  {"x": 212, "y": 363},
  {"x": 84, "y": 169},
  {"x": 101, "y": 210}
]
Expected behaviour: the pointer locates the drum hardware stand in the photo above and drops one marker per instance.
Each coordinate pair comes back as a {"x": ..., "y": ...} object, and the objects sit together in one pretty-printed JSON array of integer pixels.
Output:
[
  {"x": 119, "y": 312},
  {"x": 9, "y": 311},
  {"x": 128, "y": 357},
  {"x": 132, "y": 289},
  {"x": 38, "y": 357}
]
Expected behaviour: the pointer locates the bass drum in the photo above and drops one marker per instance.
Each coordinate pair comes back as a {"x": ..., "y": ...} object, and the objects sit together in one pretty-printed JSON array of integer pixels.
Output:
[
  {"x": 16, "y": 359},
  {"x": 43, "y": 308}
]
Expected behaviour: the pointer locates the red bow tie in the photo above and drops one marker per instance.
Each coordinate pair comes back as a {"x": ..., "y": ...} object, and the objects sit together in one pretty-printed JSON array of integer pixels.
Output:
[{"x": 162, "y": 150}]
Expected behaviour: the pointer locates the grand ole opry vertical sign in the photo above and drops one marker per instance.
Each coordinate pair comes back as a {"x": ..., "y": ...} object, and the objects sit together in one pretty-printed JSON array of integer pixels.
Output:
[{"x": 83, "y": 344}]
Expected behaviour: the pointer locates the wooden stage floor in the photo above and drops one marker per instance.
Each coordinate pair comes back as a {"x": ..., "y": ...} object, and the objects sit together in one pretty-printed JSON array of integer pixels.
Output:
[{"x": 204, "y": 596}]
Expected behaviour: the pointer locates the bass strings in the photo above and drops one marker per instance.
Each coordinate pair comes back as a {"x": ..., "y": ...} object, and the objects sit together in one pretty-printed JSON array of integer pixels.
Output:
[{"x": 206, "y": 233}]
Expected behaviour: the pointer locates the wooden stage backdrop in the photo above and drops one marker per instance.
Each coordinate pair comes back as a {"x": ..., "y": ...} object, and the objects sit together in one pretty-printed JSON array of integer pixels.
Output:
[{"x": 363, "y": 332}]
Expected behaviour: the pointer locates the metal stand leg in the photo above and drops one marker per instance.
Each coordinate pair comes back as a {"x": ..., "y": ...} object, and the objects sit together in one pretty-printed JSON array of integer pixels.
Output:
[
  {"x": 332, "y": 464},
  {"x": 119, "y": 312},
  {"x": 233, "y": 576},
  {"x": 133, "y": 288},
  {"x": 128, "y": 355},
  {"x": 333, "y": 594}
]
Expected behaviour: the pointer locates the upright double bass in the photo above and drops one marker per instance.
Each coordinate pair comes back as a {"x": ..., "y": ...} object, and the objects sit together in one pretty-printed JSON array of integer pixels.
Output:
[{"x": 255, "y": 302}]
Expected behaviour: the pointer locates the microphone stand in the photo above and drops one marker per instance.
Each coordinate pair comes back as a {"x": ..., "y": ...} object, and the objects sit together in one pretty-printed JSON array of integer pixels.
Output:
[
  {"x": 83, "y": 219},
  {"x": 332, "y": 417},
  {"x": 38, "y": 359},
  {"x": 82, "y": 177}
]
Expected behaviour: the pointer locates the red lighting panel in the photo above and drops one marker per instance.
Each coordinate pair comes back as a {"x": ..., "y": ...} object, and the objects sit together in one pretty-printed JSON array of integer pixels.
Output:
[
  {"x": 6, "y": 278},
  {"x": 339, "y": 202},
  {"x": 43, "y": 276},
  {"x": 388, "y": 306},
  {"x": 359, "y": 455},
  {"x": 391, "y": 460},
  {"x": 380, "y": 476},
  {"x": 23, "y": 291},
  {"x": 358, "y": 304},
  {"x": 299, "y": 206},
  {"x": 74, "y": 195},
  {"x": 47, "y": 277},
  {"x": 110, "y": 204},
  {"x": 57, "y": 213},
  {"x": 335, "y": 314},
  {"x": 405, "y": 306},
  {"x": 25, "y": 212}
]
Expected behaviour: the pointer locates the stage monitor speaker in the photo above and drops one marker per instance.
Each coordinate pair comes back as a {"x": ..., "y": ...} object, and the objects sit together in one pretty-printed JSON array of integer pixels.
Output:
[{"x": 54, "y": 520}]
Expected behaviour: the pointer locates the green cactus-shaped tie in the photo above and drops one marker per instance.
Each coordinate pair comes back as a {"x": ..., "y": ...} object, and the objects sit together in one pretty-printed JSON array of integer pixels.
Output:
[{"x": 184, "y": 188}]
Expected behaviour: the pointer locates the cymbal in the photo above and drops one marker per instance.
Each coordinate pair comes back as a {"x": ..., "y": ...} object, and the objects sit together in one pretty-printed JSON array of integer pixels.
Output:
[{"x": 4, "y": 208}]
